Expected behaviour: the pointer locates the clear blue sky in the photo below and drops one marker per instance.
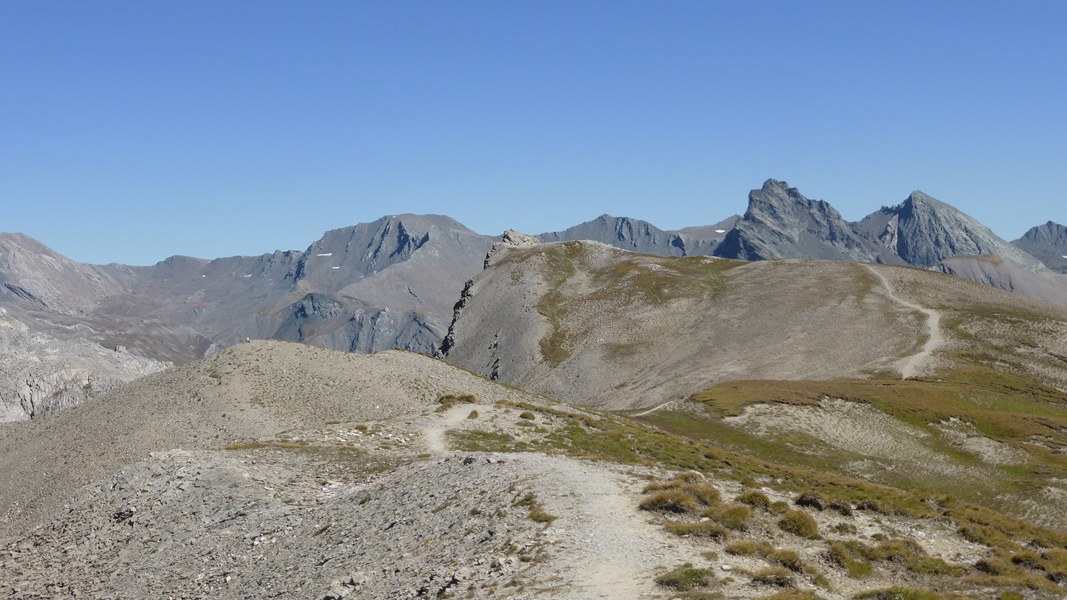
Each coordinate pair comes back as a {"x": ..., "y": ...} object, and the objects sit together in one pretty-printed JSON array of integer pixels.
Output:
[{"x": 131, "y": 131}]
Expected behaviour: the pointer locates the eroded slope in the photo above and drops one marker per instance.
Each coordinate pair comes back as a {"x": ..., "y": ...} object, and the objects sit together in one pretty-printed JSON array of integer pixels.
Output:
[{"x": 595, "y": 325}]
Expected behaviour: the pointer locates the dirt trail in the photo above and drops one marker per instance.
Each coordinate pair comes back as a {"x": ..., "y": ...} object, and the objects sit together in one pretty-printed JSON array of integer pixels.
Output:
[
  {"x": 655, "y": 408},
  {"x": 434, "y": 432},
  {"x": 910, "y": 364},
  {"x": 602, "y": 545},
  {"x": 609, "y": 548}
]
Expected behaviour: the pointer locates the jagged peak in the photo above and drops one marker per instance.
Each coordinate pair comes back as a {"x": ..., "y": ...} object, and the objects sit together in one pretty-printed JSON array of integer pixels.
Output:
[{"x": 772, "y": 183}]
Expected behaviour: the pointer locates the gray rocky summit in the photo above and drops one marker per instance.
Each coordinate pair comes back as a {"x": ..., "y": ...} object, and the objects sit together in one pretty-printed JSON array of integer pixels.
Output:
[
  {"x": 374, "y": 286},
  {"x": 782, "y": 223},
  {"x": 636, "y": 235},
  {"x": 1048, "y": 243},
  {"x": 923, "y": 231}
]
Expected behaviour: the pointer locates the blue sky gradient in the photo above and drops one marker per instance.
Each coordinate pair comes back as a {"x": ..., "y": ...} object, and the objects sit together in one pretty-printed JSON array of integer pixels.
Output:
[{"x": 131, "y": 131}]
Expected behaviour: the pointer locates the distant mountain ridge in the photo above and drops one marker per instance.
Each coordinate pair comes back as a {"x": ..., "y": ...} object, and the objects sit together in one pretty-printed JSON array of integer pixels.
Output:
[
  {"x": 393, "y": 282},
  {"x": 636, "y": 235},
  {"x": 921, "y": 231},
  {"x": 373, "y": 286},
  {"x": 782, "y": 223},
  {"x": 1047, "y": 243},
  {"x": 924, "y": 231}
]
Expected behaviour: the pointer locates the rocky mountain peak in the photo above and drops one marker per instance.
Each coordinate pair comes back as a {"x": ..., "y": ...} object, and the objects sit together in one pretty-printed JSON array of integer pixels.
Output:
[
  {"x": 777, "y": 200},
  {"x": 627, "y": 233},
  {"x": 1047, "y": 243},
  {"x": 358, "y": 251},
  {"x": 780, "y": 222},
  {"x": 924, "y": 231}
]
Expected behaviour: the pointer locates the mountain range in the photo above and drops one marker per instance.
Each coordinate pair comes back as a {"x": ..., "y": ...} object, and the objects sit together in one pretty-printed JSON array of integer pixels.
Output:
[
  {"x": 611, "y": 411},
  {"x": 392, "y": 283}
]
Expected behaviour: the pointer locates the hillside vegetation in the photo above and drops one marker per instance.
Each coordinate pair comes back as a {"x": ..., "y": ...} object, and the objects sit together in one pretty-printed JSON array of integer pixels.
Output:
[{"x": 767, "y": 447}]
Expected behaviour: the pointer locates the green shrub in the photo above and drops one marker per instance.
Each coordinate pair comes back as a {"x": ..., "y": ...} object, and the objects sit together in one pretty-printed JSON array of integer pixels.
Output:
[
  {"x": 449, "y": 400},
  {"x": 749, "y": 548},
  {"x": 1028, "y": 560},
  {"x": 792, "y": 595},
  {"x": 897, "y": 593},
  {"x": 706, "y": 493},
  {"x": 779, "y": 576},
  {"x": 913, "y": 557},
  {"x": 731, "y": 516},
  {"x": 850, "y": 557},
  {"x": 755, "y": 499},
  {"x": 675, "y": 501},
  {"x": 678, "y": 495},
  {"x": 786, "y": 558},
  {"x": 782, "y": 557},
  {"x": 799, "y": 523},
  {"x": 841, "y": 507},
  {"x": 684, "y": 578},
  {"x": 708, "y": 529}
]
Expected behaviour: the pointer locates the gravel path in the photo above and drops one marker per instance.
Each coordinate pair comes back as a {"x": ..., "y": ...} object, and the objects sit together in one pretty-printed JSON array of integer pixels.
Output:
[
  {"x": 603, "y": 546},
  {"x": 909, "y": 365}
]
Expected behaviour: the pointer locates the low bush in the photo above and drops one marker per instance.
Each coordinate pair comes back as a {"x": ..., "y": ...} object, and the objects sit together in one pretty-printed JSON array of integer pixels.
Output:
[
  {"x": 682, "y": 494},
  {"x": 779, "y": 576},
  {"x": 674, "y": 501},
  {"x": 684, "y": 578},
  {"x": 707, "y": 529},
  {"x": 755, "y": 499},
  {"x": 792, "y": 595},
  {"x": 731, "y": 516},
  {"x": 898, "y": 593},
  {"x": 850, "y": 556},
  {"x": 449, "y": 400},
  {"x": 799, "y": 523},
  {"x": 811, "y": 500}
]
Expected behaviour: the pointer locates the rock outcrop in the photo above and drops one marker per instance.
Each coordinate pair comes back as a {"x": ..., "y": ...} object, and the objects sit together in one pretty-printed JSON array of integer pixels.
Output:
[{"x": 41, "y": 375}]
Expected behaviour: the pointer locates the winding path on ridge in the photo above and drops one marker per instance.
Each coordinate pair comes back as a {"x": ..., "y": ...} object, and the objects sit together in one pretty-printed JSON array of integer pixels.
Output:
[
  {"x": 934, "y": 340},
  {"x": 603, "y": 545}
]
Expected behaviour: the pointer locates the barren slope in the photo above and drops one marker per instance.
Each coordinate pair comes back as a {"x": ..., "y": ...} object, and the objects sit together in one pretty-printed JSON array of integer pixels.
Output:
[
  {"x": 248, "y": 391},
  {"x": 595, "y": 325},
  {"x": 279, "y": 470}
]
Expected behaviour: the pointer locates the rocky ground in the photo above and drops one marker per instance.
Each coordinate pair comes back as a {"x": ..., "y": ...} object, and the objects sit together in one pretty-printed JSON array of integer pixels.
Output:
[
  {"x": 391, "y": 509},
  {"x": 40, "y": 374}
]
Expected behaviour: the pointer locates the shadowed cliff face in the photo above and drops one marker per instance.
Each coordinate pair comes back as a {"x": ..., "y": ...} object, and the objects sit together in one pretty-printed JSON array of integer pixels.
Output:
[{"x": 1047, "y": 243}]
